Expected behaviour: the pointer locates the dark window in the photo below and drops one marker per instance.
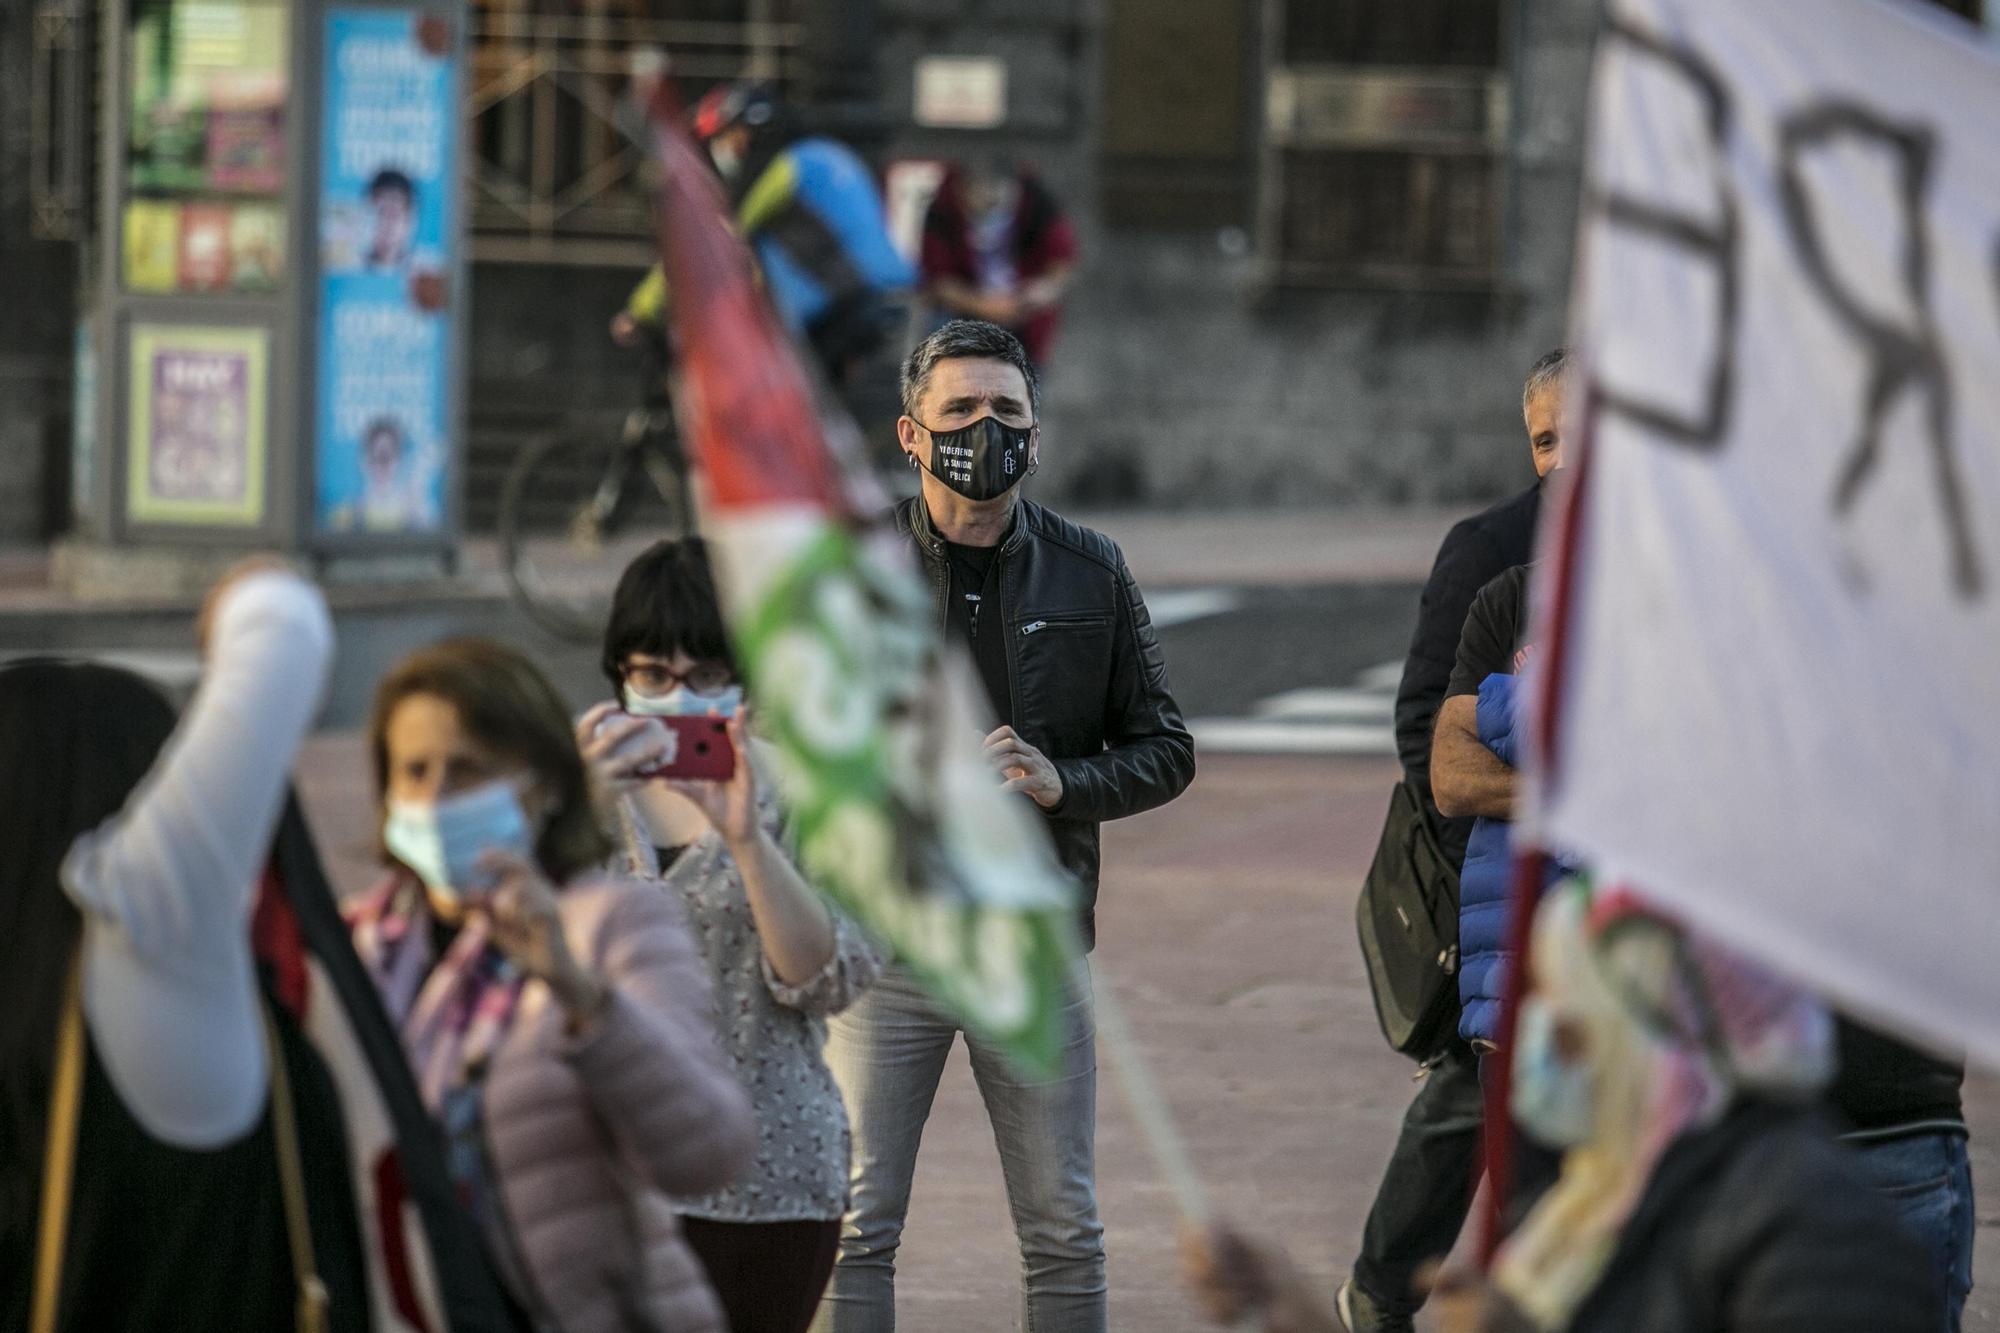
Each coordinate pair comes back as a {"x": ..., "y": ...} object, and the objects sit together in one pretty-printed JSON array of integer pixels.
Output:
[
  {"x": 1176, "y": 97},
  {"x": 1388, "y": 216},
  {"x": 1393, "y": 32},
  {"x": 1385, "y": 135}
]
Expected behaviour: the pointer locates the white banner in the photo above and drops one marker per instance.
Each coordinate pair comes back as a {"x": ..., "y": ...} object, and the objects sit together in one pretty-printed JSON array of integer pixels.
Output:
[{"x": 1776, "y": 687}]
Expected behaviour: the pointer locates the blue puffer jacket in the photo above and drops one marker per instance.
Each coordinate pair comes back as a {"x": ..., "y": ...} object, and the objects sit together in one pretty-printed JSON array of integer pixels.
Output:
[{"x": 1487, "y": 880}]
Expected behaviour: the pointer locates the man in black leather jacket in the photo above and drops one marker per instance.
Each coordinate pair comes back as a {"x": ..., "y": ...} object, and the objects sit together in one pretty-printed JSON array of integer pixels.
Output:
[{"x": 1087, "y": 730}]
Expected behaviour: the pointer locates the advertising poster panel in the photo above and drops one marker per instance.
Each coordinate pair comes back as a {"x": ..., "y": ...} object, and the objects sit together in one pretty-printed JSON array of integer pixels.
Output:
[
  {"x": 197, "y": 433},
  {"x": 205, "y": 147},
  {"x": 383, "y": 420}
]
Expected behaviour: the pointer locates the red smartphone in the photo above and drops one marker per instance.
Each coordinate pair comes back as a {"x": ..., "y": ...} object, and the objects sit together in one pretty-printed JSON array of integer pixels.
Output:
[{"x": 700, "y": 752}]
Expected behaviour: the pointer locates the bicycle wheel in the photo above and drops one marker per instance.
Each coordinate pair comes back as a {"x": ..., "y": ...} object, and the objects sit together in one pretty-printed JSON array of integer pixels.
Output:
[{"x": 573, "y": 513}]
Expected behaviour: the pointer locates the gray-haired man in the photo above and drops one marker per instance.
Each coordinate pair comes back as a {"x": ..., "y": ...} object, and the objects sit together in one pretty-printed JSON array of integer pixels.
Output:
[
  {"x": 1088, "y": 731},
  {"x": 1427, "y": 1188}
]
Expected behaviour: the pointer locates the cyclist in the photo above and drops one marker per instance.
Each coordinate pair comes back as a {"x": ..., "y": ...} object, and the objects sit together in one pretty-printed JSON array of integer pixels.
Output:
[{"x": 810, "y": 211}]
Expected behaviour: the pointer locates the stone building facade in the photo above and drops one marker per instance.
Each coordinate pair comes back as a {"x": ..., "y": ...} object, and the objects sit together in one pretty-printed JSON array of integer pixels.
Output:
[
  {"x": 38, "y": 309},
  {"x": 1197, "y": 367},
  {"x": 1322, "y": 241},
  {"x": 1200, "y": 364}
]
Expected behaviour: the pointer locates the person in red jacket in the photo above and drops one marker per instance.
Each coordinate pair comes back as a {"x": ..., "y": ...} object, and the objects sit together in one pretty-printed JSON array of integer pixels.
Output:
[{"x": 998, "y": 247}]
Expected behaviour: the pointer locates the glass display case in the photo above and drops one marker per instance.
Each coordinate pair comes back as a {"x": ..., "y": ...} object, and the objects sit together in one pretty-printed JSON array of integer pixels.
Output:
[
  {"x": 277, "y": 319},
  {"x": 205, "y": 146}
]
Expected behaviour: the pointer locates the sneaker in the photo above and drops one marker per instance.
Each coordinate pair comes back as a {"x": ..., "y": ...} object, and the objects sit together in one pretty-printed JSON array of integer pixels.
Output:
[{"x": 1360, "y": 1314}]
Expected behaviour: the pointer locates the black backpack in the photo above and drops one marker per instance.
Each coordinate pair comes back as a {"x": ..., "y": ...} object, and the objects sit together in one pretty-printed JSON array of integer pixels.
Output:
[{"x": 1407, "y": 918}]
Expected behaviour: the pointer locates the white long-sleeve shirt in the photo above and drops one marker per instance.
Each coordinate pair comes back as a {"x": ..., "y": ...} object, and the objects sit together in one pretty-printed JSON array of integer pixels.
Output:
[{"x": 167, "y": 884}]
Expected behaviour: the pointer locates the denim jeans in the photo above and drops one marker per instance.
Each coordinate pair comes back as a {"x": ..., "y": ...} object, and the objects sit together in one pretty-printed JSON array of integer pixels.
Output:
[
  {"x": 1427, "y": 1188},
  {"x": 1927, "y": 1179},
  {"x": 887, "y": 1053}
]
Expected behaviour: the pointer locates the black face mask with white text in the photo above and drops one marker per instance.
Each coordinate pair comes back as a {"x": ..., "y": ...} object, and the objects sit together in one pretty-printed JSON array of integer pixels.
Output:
[{"x": 982, "y": 461}]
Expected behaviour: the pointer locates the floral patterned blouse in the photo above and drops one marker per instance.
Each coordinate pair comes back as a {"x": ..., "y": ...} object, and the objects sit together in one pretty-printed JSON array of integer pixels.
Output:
[{"x": 771, "y": 1032}]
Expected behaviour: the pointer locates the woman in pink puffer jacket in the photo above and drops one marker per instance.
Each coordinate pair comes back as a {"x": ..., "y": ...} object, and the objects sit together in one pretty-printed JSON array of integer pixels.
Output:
[{"x": 559, "y": 1021}]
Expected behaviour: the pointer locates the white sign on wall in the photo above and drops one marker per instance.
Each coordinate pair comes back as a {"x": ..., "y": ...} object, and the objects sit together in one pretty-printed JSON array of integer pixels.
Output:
[
  {"x": 961, "y": 92},
  {"x": 908, "y": 186}
]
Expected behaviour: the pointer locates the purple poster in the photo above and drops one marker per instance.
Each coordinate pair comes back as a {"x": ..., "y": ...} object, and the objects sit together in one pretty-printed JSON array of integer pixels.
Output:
[
  {"x": 201, "y": 408},
  {"x": 197, "y": 427}
]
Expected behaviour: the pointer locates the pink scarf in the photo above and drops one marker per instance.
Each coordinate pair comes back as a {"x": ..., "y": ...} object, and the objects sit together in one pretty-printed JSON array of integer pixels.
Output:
[{"x": 453, "y": 1012}]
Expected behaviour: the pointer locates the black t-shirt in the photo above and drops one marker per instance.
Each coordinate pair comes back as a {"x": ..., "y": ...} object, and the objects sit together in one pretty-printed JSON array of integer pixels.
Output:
[
  {"x": 1886, "y": 1084},
  {"x": 1493, "y": 642},
  {"x": 974, "y": 619}
]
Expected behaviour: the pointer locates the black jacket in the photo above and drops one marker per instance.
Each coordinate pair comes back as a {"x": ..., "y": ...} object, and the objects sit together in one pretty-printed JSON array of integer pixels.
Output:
[
  {"x": 1086, "y": 675},
  {"x": 1474, "y": 552},
  {"x": 1763, "y": 1223}
]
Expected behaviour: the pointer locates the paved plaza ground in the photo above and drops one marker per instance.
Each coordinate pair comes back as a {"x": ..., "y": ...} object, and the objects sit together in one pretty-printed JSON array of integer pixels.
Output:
[{"x": 1226, "y": 918}]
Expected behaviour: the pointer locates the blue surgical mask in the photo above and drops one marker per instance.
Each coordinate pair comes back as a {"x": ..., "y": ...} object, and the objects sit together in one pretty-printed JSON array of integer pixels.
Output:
[
  {"x": 681, "y": 701},
  {"x": 1553, "y": 1100},
  {"x": 443, "y": 842}
]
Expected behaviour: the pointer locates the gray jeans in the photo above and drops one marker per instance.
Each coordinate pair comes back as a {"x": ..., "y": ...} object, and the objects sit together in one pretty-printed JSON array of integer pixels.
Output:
[{"x": 887, "y": 1053}]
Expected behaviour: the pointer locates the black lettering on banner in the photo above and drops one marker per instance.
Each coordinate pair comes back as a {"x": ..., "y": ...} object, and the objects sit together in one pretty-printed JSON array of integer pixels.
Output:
[
  {"x": 1712, "y": 242},
  {"x": 1900, "y": 358}
]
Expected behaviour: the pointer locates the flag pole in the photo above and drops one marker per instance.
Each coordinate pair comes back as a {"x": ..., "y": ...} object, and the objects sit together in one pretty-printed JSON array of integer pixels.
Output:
[
  {"x": 1149, "y": 1108},
  {"x": 1531, "y": 861},
  {"x": 1134, "y": 1075}
]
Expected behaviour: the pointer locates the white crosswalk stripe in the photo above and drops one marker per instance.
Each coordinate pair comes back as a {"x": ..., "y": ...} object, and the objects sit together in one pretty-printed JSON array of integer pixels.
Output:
[
  {"x": 1177, "y": 606},
  {"x": 1385, "y": 676},
  {"x": 1359, "y": 720}
]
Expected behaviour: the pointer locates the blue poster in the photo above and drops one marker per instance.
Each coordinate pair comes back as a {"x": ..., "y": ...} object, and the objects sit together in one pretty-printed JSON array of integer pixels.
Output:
[{"x": 387, "y": 195}]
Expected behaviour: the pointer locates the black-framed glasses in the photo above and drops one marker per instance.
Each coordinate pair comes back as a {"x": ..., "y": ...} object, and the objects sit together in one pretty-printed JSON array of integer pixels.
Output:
[{"x": 657, "y": 677}]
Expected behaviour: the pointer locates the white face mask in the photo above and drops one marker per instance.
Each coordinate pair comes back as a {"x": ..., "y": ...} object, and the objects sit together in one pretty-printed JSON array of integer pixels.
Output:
[
  {"x": 1553, "y": 1099},
  {"x": 727, "y": 160},
  {"x": 681, "y": 701},
  {"x": 442, "y": 842}
]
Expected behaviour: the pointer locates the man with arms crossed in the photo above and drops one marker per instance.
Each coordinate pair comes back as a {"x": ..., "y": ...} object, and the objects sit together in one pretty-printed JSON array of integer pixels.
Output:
[{"x": 1427, "y": 1188}]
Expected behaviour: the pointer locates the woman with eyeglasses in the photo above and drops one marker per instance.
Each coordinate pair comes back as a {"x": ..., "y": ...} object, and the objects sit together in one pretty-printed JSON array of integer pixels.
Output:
[
  {"x": 557, "y": 1017},
  {"x": 781, "y": 959}
]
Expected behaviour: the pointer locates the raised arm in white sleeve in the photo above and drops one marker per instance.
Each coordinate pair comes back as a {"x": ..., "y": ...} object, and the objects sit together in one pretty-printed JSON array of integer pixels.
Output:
[{"x": 166, "y": 885}]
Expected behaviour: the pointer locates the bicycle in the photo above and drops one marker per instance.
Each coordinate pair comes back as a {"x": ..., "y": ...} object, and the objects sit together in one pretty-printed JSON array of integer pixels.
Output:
[{"x": 573, "y": 512}]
